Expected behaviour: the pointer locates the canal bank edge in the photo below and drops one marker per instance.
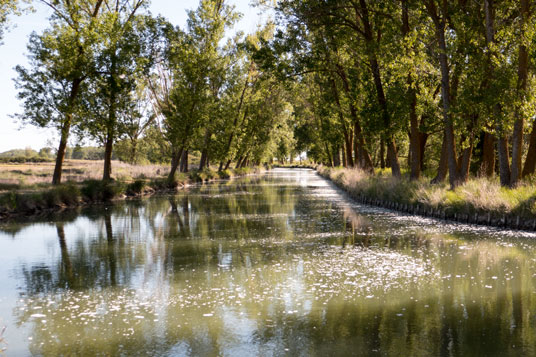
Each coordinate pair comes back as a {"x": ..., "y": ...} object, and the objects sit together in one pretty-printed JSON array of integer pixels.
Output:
[
  {"x": 26, "y": 203},
  {"x": 478, "y": 217}
]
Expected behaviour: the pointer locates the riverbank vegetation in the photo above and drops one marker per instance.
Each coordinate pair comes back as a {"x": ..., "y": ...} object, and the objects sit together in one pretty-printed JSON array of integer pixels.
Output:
[
  {"x": 428, "y": 90},
  {"x": 476, "y": 196},
  {"x": 32, "y": 199}
]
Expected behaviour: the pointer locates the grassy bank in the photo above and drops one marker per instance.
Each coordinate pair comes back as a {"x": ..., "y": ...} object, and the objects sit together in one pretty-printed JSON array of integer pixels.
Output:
[
  {"x": 41, "y": 197},
  {"x": 480, "y": 200},
  {"x": 36, "y": 173}
]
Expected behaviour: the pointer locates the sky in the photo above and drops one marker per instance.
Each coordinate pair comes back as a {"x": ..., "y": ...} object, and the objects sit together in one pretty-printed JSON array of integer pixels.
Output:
[{"x": 13, "y": 52}]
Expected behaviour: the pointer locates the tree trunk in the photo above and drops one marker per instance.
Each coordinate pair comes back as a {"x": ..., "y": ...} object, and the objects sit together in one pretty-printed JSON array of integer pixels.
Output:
[
  {"x": 328, "y": 154},
  {"x": 175, "y": 160},
  {"x": 504, "y": 165},
  {"x": 357, "y": 157},
  {"x": 466, "y": 155},
  {"x": 442, "y": 168},
  {"x": 348, "y": 147},
  {"x": 423, "y": 138},
  {"x": 530, "y": 161},
  {"x": 184, "y": 161},
  {"x": 502, "y": 145},
  {"x": 239, "y": 162},
  {"x": 415, "y": 137},
  {"x": 522, "y": 76},
  {"x": 336, "y": 157},
  {"x": 465, "y": 161},
  {"x": 414, "y": 142},
  {"x": 107, "y": 174},
  {"x": 202, "y": 162},
  {"x": 382, "y": 154},
  {"x": 517, "y": 150},
  {"x": 133, "y": 151},
  {"x": 392, "y": 155},
  {"x": 440, "y": 24},
  {"x": 347, "y": 159},
  {"x": 56, "y": 178},
  {"x": 361, "y": 154},
  {"x": 245, "y": 161},
  {"x": 487, "y": 166},
  {"x": 65, "y": 130}
]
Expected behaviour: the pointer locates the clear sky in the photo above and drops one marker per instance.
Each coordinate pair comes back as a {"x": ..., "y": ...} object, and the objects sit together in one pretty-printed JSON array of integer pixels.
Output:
[{"x": 13, "y": 52}]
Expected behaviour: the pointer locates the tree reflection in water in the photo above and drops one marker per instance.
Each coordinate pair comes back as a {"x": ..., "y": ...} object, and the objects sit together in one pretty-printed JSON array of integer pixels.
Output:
[{"x": 268, "y": 266}]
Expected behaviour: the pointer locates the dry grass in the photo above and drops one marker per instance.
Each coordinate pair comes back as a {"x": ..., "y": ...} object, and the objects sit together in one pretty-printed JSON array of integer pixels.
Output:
[
  {"x": 29, "y": 174},
  {"x": 478, "y": 194},
  {"x": 148, "y": 179}
]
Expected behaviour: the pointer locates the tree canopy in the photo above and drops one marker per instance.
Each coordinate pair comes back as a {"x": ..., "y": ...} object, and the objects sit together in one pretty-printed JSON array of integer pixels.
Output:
[{"x": 426, "y": 88}]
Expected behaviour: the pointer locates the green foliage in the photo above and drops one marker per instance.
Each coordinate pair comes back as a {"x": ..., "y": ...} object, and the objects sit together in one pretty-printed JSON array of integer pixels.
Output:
[
  {"x": 67, "y": 194},
  {"x": 93, "y": 190},
  {"x": 86, "y": 153},
  {"x": 225, "y": 174},
  {"x": 31, "y": 202},
  {"x": 23, "y": 159},
  {"x": 136, "y": 187},
  {"x": 26, "y": 155}
]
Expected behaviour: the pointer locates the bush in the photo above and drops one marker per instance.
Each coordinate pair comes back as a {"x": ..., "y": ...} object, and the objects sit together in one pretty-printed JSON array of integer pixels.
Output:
[
  {"x": 136, "y": 187},
  {"x": 94, "y": 190},
  {"x": 225, "y": 174},
  {"x": 203, "y": 175},
  {"x": 68, "y": 194}
]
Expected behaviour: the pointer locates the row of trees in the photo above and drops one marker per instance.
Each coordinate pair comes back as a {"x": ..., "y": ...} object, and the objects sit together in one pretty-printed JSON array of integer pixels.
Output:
[
  {"x": 448, "y": 84},
  {"x": 111, "y": 72}
]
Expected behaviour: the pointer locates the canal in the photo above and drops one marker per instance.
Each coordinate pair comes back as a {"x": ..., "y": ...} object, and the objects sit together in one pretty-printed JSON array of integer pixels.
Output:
[{"x": 278, "y": 264}]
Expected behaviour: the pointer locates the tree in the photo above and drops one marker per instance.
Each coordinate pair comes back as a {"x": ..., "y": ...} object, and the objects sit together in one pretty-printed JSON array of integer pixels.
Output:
[
  {"x": 188, "y": 90},
  {"x": 60, "y": 63},
  {"x": 126, "y": 56}
]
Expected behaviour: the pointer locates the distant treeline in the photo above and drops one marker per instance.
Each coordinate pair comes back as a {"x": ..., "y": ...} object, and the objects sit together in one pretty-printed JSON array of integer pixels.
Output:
[{"x": 48, "y": 154}]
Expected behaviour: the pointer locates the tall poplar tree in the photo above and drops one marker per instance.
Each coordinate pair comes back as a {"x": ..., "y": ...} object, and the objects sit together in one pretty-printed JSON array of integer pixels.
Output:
[{"x": 61, "y": 60}]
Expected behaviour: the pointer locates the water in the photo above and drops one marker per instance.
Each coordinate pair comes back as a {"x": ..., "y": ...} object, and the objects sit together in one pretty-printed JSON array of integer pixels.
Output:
[{"x": 282, "y": 264}]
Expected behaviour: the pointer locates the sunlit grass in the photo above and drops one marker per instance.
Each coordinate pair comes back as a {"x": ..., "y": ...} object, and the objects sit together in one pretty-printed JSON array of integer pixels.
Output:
[
  {"x": 30, "y": 174},
  {"x": 43, "y": 196},
  {"x": 476, "y": 195}
]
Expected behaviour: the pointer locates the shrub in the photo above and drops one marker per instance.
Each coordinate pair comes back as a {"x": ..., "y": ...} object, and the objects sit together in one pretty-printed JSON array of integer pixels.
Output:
[
  {"x": 95, "y": 190},
  {"x": 225, "y": 174},
  {"x": 67, "y": 194},
  {"x": 136, "y": 187}
]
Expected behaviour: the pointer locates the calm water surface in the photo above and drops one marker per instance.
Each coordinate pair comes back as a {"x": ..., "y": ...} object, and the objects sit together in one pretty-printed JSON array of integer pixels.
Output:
[{"x": 281, "y": 264}]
